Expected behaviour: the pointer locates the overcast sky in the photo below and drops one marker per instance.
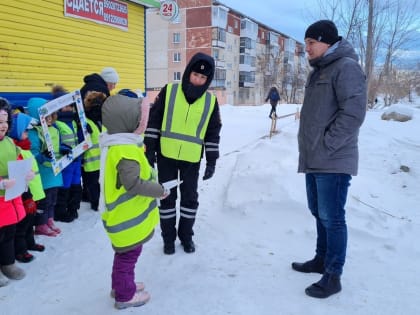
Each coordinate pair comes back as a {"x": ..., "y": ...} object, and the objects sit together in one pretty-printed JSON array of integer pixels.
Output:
[{"x": 290, "y": 17}]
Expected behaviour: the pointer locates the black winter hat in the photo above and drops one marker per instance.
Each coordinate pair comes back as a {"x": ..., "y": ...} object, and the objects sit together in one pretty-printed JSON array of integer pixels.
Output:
[
  {"x": 202, "y": 67},
  {"x": 323, "y": 31},
  {"x": 94, "y": 82}
]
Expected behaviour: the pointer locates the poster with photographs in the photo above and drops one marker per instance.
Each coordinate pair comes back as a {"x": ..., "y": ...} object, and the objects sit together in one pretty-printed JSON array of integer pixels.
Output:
[{"x": 71, "y": 102}]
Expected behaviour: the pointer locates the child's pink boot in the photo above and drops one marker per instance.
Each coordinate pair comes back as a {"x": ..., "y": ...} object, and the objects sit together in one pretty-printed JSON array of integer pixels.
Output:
[
  {"x": 52, "y": 226},
  {"x": 44, "y": 230},
  {"x": 139, "y": 299}
]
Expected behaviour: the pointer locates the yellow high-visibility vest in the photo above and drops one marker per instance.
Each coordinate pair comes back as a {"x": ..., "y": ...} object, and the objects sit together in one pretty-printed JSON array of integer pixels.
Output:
[
  {"x": 92, "y": 157},
  {"x": 35, "y": 185},
  {"x": 68, "y": 135},
  {"x": 128, "y": 219},
  {"x": 184, "y": 126}
]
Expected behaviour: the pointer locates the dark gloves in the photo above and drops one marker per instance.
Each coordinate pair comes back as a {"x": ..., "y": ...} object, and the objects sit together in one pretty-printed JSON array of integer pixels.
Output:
[
  {"x": 47, "y": 155},
  {"x": 209, "y": 171},
  {"x": 65, "y": 149}
]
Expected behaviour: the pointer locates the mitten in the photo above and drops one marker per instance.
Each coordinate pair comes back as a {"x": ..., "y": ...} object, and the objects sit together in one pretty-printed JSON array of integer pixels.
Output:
[
  {"x": 47, "y": 155},
  {"x": 65, "y": 149},
  {"x": 29, "y": 205},
  {"x": 209, "y": 171}
]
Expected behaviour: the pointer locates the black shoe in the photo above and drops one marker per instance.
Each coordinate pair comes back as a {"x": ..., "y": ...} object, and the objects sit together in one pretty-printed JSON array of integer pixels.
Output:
[
  {"x": 169, "y": 248},
  {"x": 37, "y": 247},
  {"x": 25, "y": 257},
  {"x": 74, "y": 214},
  {"x": 327, "y": 286},
  {"x": 314, "y": 265},
  {"x": 65, "y": 217},
  {"x": 189, "y": 247}
]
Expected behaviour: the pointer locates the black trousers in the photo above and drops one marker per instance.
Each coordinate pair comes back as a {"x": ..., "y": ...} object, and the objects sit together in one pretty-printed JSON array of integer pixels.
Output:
[
  {"x": 273, "y": 109},
  {"x": 7, "y": 244},
  {"x": 169, "y": 169},
  {"x": 91, "y": 184},
  {"x": 24, "y": 237}
]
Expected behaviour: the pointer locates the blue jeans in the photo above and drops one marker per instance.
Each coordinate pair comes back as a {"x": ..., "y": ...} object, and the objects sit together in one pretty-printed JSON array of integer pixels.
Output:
[{"x": 327, "y": 194}]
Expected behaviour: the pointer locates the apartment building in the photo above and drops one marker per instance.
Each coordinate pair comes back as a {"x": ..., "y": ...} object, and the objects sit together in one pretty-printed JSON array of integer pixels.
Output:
[{"x": 250, "y": 56}]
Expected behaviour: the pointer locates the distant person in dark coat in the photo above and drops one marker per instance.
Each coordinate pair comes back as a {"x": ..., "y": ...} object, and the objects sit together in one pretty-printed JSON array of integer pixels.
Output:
[{"x": 274, "y": 97}]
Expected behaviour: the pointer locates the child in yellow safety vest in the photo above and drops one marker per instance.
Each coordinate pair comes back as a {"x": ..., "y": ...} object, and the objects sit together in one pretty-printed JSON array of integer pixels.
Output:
[{"x": 128, "y": 193}]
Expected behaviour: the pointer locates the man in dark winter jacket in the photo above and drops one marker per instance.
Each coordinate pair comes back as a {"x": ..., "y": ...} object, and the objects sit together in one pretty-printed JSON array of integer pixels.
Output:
[
  {"x": 333, "y": 110},
  {"x": 184, "y": 120}
]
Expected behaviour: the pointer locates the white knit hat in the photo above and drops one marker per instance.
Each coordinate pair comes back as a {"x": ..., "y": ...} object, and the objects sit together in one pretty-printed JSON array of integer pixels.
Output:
[{"x": 110, "y": 75}]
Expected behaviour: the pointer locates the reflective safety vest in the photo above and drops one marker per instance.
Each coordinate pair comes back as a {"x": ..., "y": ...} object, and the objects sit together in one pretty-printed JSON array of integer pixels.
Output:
[
  {"x": 55, "y": 140},
  {"x": 68, "y": 135},
  {"x": 128, "y": 219},
  {"x": 92, "y": 157},
  {"x": 184, "y": 126},
  {"x": 35, "y": 185},
  {"x": 9, "y": 152}
]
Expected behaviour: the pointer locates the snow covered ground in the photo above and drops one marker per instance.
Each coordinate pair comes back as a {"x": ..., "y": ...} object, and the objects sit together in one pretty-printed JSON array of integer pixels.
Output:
[{"x": 252, "y": 223}]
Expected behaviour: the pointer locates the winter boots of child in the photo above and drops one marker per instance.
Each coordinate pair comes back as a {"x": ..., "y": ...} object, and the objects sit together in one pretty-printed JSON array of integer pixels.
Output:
[
  {"x": 140, "y": 298},
  {"x": 48, "y": 229},
  {"x": 329, "y": 283},
  {"x": 10, "y": 272}
]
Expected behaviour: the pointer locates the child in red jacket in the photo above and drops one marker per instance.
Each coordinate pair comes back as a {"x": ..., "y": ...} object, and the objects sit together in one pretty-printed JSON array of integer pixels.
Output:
[{"x": 11, "y": 211}]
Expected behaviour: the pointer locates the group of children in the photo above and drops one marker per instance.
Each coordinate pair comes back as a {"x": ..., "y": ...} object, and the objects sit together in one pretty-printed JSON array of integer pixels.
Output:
[
  {"x": 49, "y": 197},
  {"x": 126, "y": 189}
]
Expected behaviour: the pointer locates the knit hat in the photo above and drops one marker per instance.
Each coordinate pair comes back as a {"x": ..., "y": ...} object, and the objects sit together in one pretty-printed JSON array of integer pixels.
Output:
[
  {"x": 110, "y": 75},
  {"x": 202, "y": 67},
  {"x": 323, "y": 31},
  {"x": 93, "y": 82},
  {"x": 21, "y": 122}
]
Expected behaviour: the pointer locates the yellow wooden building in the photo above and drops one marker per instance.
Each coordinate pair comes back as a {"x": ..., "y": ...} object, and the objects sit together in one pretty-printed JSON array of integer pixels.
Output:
[{"x": 49, "y": 42}]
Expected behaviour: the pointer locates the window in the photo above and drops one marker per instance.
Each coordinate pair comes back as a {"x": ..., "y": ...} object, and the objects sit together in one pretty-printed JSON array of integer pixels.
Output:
[
  {"x": 177, "y": 57},
  {"x": 177, "y": 76},
  {"x": 216, "y": 54},
  {"x": 219, "y": 34},
  {"x": 219, "y": 16},
  {"x": 176, "y": 38},
  {"x": 219, "y": 78}
]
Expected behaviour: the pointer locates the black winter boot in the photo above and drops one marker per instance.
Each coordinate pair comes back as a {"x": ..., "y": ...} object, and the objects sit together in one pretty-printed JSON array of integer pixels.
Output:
[
  {"x": 60, "y": 213},
  {"x": 314, "y": 265},
  {"x": 327, "y": 286},
  {"x": 189, "y": 246},
  {"x": 75, "y": 198},
  {"x": 169, "y": 248}
]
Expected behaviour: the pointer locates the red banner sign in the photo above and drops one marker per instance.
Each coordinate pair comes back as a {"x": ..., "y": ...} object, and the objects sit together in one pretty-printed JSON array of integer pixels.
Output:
[{"x": 109, "y": 12}]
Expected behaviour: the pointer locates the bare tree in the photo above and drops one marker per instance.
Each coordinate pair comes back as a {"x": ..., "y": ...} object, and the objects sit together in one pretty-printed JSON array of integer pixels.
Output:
[
  {"x": 401, "y": 26},
  {"x": 377, "y": 29}
]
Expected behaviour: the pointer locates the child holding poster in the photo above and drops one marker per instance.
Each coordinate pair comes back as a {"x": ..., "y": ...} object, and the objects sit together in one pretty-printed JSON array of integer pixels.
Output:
[
  {"x": 11, "y": 211},
  {"x": 44, "y": 218}
]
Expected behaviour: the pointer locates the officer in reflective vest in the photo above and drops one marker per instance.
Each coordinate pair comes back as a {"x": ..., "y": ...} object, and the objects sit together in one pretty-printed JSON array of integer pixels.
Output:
[{"x": 184, "y": 121}]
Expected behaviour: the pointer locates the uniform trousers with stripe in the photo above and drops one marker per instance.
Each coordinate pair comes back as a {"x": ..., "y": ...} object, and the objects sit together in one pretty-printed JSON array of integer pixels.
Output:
[{"x": 169, "y": 169}]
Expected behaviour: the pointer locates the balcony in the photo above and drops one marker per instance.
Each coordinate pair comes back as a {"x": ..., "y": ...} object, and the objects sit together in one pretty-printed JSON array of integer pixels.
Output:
[{"x": 218, "y": 43}]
